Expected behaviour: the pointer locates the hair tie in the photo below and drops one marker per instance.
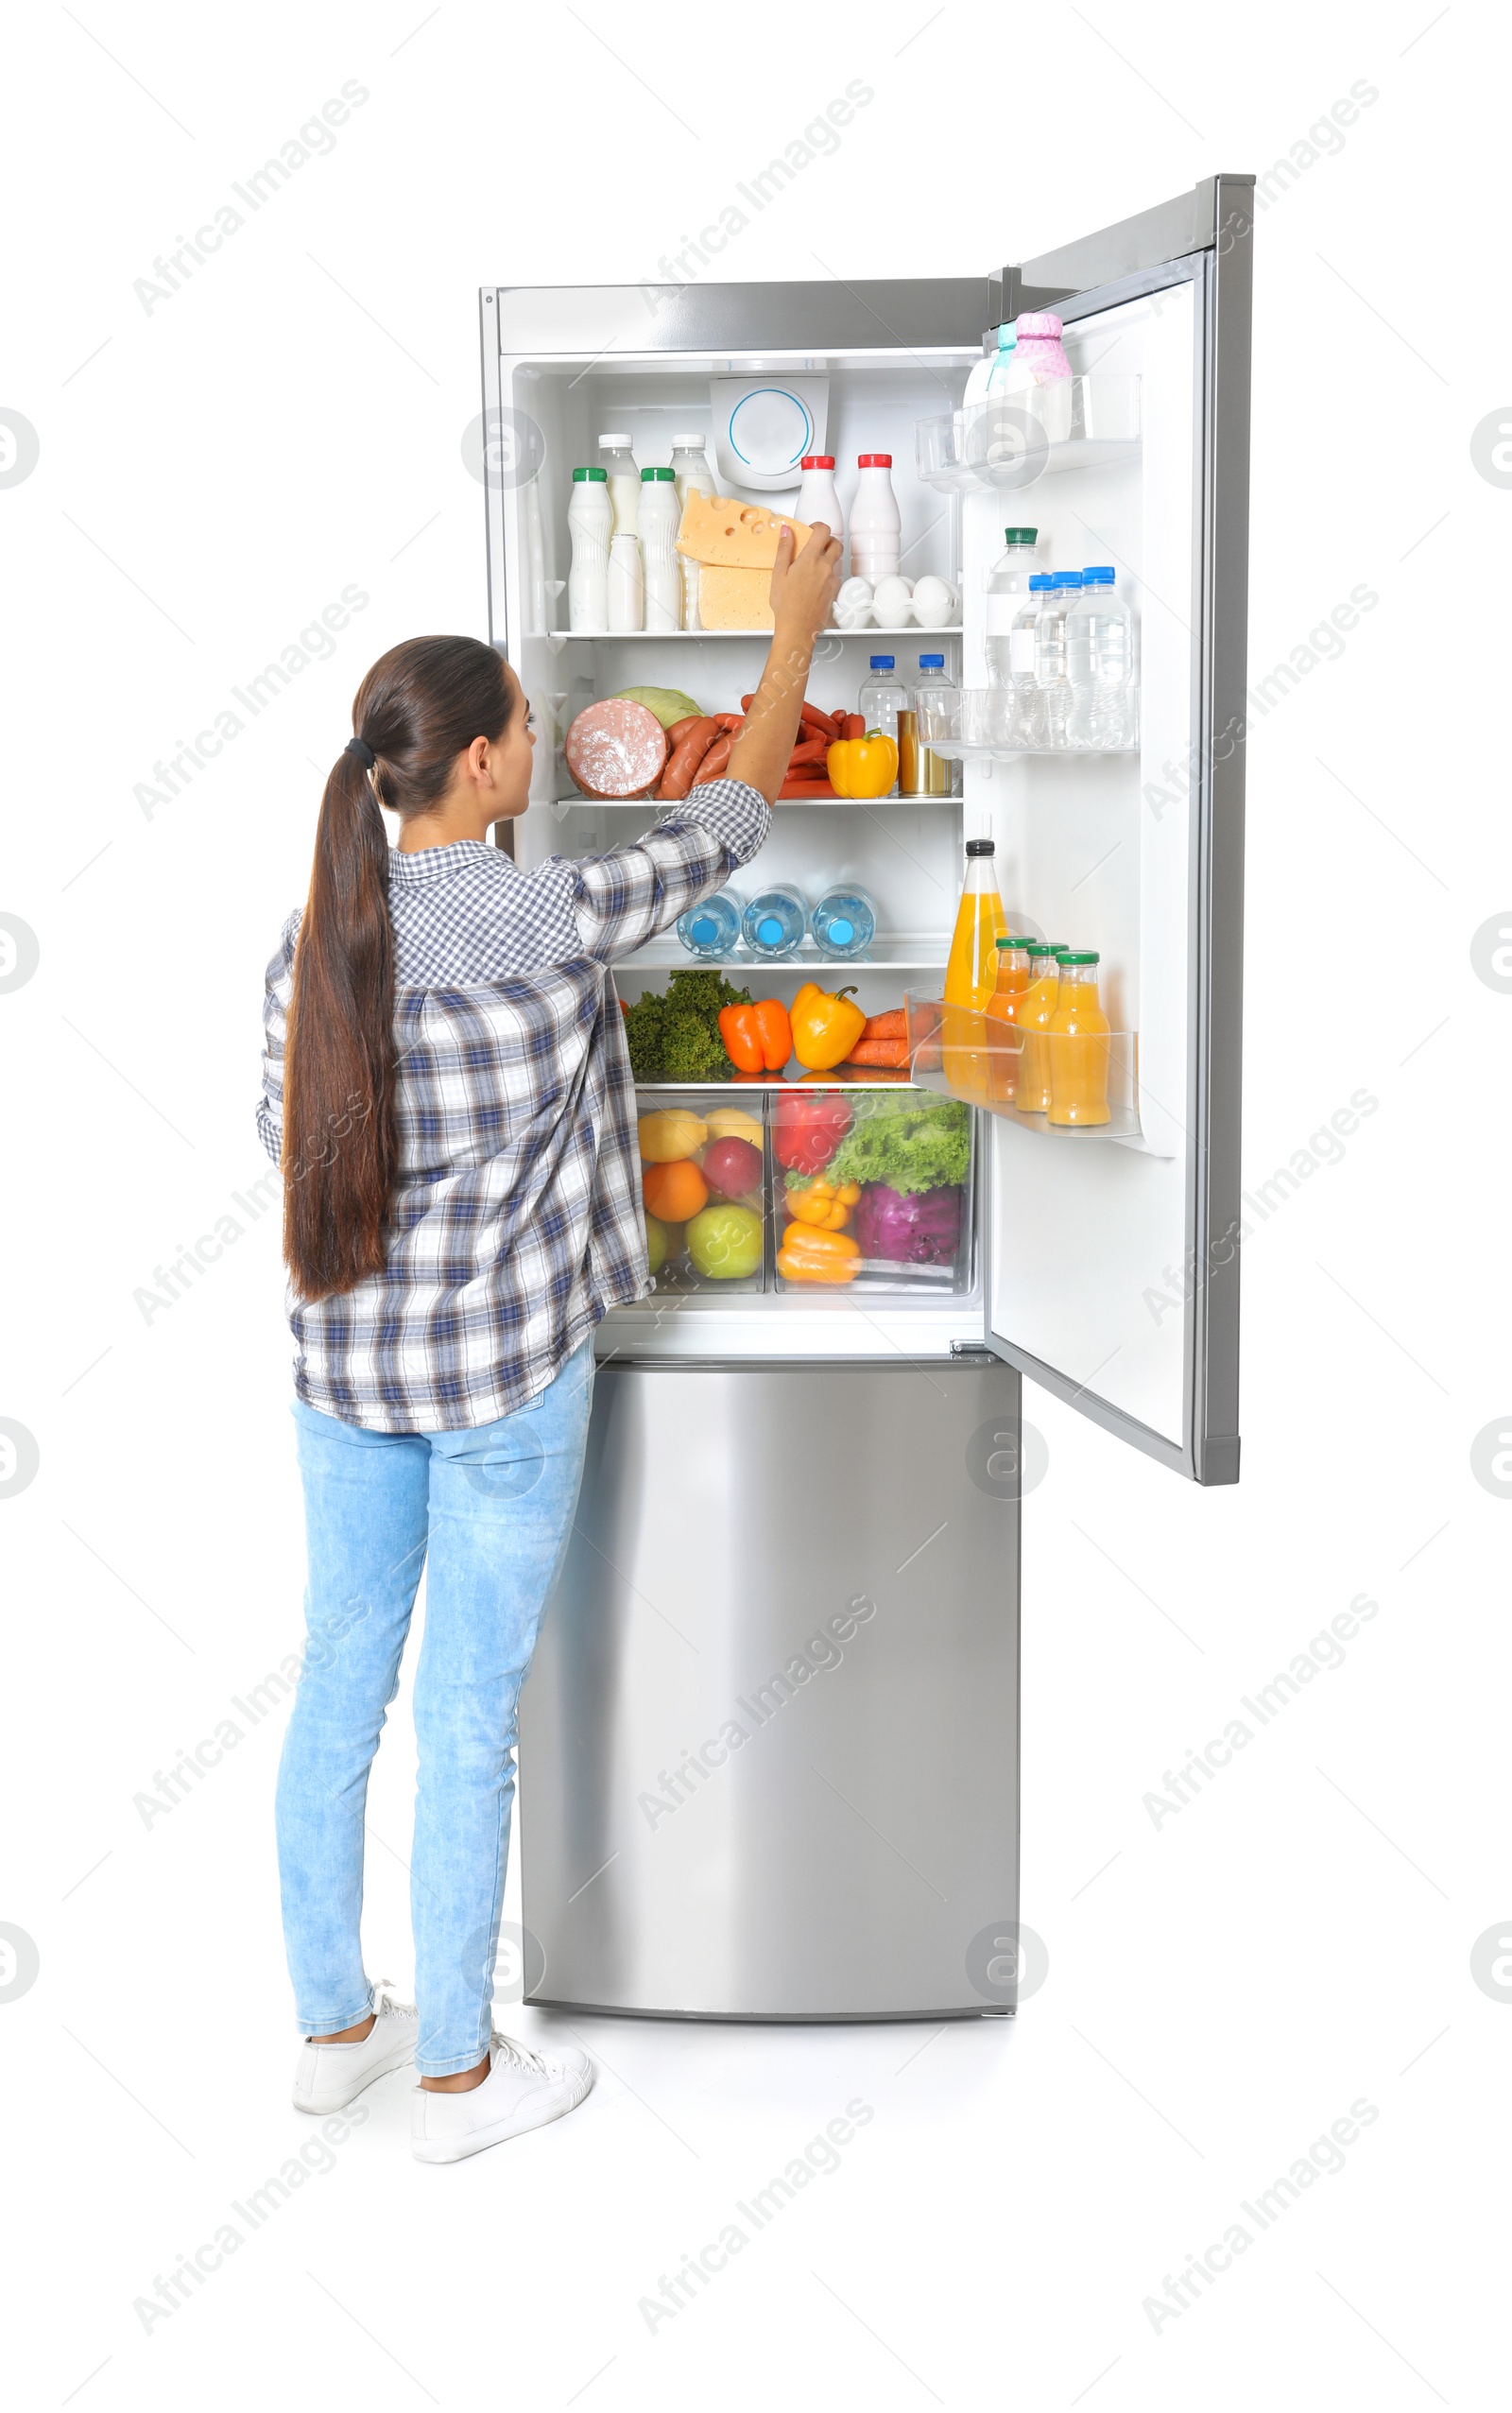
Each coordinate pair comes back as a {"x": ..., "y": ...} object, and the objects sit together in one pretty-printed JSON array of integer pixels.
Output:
[{"x": 364, "y": 752}]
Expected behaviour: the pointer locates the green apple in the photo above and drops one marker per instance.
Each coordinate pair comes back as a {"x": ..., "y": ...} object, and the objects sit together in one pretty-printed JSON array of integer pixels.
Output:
[
  {"x": 655, "y": 1244},
  {"x": 725, "y": 1243}
]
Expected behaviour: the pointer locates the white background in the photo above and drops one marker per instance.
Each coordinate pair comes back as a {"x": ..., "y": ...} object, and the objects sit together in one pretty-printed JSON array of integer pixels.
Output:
[{"x": 1221, "y": 1988}]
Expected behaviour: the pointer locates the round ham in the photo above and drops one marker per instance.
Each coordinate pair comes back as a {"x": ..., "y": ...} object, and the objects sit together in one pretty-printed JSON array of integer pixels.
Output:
[{"x": 616, "y": 749}]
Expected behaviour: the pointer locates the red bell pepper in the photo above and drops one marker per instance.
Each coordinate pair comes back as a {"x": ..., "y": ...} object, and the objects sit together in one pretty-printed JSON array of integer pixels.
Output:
[{"x": 810, "y": 1127}]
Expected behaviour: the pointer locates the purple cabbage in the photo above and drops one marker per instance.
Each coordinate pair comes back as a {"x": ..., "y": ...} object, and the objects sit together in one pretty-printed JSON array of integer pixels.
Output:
[{"x": 922, "y": 1229}]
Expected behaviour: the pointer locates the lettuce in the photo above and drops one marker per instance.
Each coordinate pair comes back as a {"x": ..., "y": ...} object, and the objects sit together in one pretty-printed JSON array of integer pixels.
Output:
[{"x": 913, "y": 1147}]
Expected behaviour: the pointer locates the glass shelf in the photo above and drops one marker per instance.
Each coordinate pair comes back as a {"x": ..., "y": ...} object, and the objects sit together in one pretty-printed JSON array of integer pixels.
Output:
[
  {"x": 714, "y": 636},
  {"x": 660, "y": 804},
  {"x": 901, "y": 952},
  {"x": 1001, "y": 446},
  {"x": 986, "y": 1061}
]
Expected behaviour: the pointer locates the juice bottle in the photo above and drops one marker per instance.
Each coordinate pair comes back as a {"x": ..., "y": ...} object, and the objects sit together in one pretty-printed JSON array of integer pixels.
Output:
[
  {"x": 1036, "y": 1009},
  {"x": 1078, "y": 1045},
  {"x": 1003, "y": 1005},
  {"x": 972, "y": 972}
]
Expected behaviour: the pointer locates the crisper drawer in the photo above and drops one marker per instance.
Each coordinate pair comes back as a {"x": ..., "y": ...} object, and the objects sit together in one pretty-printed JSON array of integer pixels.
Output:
[{"x": 806, "y": 1188}]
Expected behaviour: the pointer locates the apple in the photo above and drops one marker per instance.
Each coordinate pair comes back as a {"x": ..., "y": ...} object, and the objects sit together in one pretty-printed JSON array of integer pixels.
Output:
[
  {"x": 732, "y": 1167},
  {"x": 655, "y": 1244},
  {"x": 725, "y": 1242}
]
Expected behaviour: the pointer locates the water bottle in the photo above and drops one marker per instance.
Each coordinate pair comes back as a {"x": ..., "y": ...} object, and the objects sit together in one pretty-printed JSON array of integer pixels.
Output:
[
  {"x": 1050, "y": 657},
  {"x": 774, "y": 922},
  {"x": 711, "y": 931},
  {"x": 938, "y": 775},
  {"x": 1100, "y": 664},
  {"x": 1027, "y": 726},
  {"x": 844, "y": 922},
  {"x": 883, "y": 696},
  {"x": 1006, "y": 589}
]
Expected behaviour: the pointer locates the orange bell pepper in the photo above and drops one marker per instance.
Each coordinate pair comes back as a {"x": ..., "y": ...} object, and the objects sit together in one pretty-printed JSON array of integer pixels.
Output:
[
  {"x": 825, "y": 1027},
  {"x": 862, "y": 766},
  {"x": 823, "y": 1204},
  {"x": 808, "y": 1255},
  {"x": 759, "y": 1038}
]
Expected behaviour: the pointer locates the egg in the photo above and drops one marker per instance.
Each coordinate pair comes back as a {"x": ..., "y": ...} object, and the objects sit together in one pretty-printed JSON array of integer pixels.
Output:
[
  {"x": 853, "y": 605},
  {"x": 892, "y": 601},
  {"x": 936, "y": 603}
]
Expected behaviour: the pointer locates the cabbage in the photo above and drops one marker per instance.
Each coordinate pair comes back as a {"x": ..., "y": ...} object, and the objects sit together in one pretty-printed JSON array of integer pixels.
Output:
[
  {"x": 921, "y": 1229},
  {"x": 668, "y": 703}
]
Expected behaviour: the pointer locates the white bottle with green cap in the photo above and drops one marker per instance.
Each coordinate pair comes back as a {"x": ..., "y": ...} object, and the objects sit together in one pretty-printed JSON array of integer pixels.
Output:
[
  {"x": 661, "y": 518},
  {"x": 590, "y": 524}
]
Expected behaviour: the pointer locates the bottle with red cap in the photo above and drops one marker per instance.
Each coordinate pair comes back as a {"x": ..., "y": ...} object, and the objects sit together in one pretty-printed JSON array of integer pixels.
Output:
[
  {"x": 876, "y": 525},
  {"x": 816, "y": 497}
]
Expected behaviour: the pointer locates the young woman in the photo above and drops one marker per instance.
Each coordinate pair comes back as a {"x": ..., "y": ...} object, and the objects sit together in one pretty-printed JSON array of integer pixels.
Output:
[{"x": 447, "y": 1088}]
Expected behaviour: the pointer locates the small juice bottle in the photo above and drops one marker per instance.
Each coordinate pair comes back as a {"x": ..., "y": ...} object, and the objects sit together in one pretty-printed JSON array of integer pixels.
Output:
[
  {"x": 1036, "y": 1009},
  {"x": 1078, "y": 1045},
  {"x": 972, "y": 972},
  {"x": 1003, "y": 1005}
]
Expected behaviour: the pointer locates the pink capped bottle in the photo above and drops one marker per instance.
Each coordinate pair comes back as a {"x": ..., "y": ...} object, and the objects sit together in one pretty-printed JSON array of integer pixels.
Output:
[{"x": 1039, "y": 359}]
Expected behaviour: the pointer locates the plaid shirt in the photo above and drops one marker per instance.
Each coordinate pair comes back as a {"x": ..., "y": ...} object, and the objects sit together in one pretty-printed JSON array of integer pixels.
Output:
[{"x": 515, "y": 1222}]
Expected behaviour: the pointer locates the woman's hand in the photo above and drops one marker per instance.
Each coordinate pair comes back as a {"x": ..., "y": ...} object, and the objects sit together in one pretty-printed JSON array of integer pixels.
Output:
[{"x": 803, "y": 588}]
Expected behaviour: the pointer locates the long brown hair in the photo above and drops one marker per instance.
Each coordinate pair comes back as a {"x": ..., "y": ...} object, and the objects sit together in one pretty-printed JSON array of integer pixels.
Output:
[{"x": 420, "y": 706}]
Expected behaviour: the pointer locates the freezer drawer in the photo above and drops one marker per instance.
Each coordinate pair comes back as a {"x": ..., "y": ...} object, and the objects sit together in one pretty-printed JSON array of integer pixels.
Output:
[{"x": 769, "y": 1749}]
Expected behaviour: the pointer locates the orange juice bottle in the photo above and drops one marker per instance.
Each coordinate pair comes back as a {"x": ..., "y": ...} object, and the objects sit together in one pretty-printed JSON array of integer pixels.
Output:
[
  {"x": 1035, "y": 1009},
  {"x": 1003, "y": 1005},
  {"x": 972, "y": 972},
  {"x": 1078, "y": 1045}
]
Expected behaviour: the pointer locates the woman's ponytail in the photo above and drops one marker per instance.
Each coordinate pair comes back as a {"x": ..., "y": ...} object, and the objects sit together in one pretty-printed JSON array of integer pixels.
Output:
[
  {"x": 419, "y": 707},
  {"x": 338, "y": 1124}
]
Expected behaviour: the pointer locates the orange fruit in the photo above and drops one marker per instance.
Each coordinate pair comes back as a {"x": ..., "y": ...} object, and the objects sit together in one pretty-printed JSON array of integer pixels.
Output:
[{"x": 674, "y": 1191}]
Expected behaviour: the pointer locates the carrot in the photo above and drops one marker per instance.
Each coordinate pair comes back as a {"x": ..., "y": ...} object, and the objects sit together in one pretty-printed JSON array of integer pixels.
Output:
[
  {"x": 878, "y": 1051},
  {"x": 893, "y": 1025}
]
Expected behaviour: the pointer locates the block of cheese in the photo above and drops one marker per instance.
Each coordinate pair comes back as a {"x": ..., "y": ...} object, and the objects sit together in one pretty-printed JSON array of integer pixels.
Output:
[
  {"x": 734, "y": 536},
  {"x": 734, "y": 598}
]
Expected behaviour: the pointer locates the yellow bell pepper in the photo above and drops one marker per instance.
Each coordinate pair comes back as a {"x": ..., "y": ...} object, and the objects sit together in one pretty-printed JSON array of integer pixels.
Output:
[
  {"x": 808, "y": 1255},
  {"x": 862, "y": 766},
  {"x": 822, "y": 1204},
  {"x": 825, "y": 1027}
]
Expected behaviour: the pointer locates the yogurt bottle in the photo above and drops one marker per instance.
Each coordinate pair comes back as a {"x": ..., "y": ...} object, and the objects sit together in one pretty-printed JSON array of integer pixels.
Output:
[
  {"x": 590, "y": 524},
  {"x": 691, "y": 474},
  {"x": 660, "y": 518},
  {"x": 618, "y": 464},
  {"x": 627, "y": 584},
  {"x": 876, "y": 522},
  {"x": 816, "y": 497}
]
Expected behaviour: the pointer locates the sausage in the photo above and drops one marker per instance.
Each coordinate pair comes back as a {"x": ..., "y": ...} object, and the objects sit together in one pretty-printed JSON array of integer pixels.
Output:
[
  {"x": 680, "y": 729},
  {"x": 687, "y": 756},
  {"x": 713, "y": 762},
  {"x": 811, "y": 753},
  {"x": 825, "y": 724},
  {"x": 854, "y": 724},
  {"x": 615, "y": 749},
  {"x": 733, "y": 721}
]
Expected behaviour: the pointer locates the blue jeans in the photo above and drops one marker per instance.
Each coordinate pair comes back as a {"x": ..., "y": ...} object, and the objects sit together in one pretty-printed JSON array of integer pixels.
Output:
[{"x": 488, "y": 1511}]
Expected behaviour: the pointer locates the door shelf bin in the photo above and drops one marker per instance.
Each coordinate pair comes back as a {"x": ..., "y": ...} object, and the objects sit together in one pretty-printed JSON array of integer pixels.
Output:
[
  {"x": 986, "y": 1061},
  {"x": 1001, "y": 446},
  {"x": 890, "y": 1169},
  {"x": 981, "y": 724},
  {"x": 711, "y": 1231}
]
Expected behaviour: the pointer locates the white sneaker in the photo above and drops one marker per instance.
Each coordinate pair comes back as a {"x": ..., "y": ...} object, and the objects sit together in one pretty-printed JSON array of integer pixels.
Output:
[
  {"x": 523, "y": 2090},
  {"x": 330, "y": 2077}
]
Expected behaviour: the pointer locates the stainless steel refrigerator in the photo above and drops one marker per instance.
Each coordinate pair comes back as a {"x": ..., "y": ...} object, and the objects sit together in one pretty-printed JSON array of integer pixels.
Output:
[{"x": 768, "y": 1758}]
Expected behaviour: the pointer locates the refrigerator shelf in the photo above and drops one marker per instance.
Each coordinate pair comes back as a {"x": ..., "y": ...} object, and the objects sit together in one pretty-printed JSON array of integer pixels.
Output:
[
  {"x": 785, "y": 803},
  {"x": 716, "y": 636},
  {"x": 898, "y": 952},
  {"x": 1007, "y": 444},
  {"x": 983, "y": 1060},
  {"x": 975, "y": 725}
]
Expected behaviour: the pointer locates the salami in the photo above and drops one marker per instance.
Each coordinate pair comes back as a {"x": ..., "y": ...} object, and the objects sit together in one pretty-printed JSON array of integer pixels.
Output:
[{"x": 616, "y": 749}]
